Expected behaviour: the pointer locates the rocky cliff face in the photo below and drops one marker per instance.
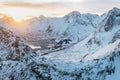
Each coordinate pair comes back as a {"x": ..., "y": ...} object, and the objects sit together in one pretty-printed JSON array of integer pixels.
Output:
[
  {"x": 108, "y": 20},
  {"x": 116, "y": 36},
  {"x": 18, "y": 61},
  {"x": 12, "y": 48},
  {"x": 14, "y": 57},
  {"x": 111, "y": 19}
]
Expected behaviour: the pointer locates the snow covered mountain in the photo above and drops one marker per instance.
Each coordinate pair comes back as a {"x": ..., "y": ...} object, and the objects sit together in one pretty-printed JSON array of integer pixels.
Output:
[
  {"x": 95, "y": 56},
  {"x": 73, "y": 26},
  {"x": 97, "y": 51},
  {"x": 103, "y": 36}
]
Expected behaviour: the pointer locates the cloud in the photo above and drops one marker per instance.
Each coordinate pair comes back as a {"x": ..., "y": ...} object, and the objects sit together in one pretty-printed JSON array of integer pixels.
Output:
[
  {"x": 38, "y": 1},
  {"x": 45, "y": 6},
  {"x": 63, "y": 6},
  {"x": 47, "y": 9}
]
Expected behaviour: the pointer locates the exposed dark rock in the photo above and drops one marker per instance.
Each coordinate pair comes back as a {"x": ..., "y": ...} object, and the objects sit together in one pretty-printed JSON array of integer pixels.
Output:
[
  {"x": 110, "y": 19},
  {"x": 93, "y": 41},
  {"x": 61, "y": 42},
  {"x": 116, "y": 36},
  {"x": 49, "y": 29}
]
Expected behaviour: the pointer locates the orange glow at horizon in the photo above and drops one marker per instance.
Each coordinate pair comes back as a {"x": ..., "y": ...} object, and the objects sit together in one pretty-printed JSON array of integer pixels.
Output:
[
  {"x": 22, "y": 13},
  {"x": 18, "y": 14},
  {"x": 17, "y": 18}
]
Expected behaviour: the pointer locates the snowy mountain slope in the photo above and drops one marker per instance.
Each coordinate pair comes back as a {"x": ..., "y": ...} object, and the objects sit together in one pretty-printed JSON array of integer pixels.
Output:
[
  {"x": 100, "y": 45},
  {"x": 94, "y": 58},
  {"x": 98, "y": 69},
  {"x": 93, "y": 43},
  {"x": 69, "y": 26}
]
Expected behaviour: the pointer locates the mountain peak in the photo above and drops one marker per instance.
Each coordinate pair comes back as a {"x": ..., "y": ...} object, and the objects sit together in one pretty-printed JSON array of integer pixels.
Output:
[
  {"x": 110, "y": 19},
  {"x": 72, "y": 16},
  {"x": 41, "y": 16},
  {"x": 74, "y": 13},
  {"x": 114, "y": 11},
  {"x": 115, "y": 8}
]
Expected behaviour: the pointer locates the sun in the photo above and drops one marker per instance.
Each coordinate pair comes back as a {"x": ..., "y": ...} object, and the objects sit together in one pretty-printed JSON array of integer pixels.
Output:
[
  {"x": 18, "y": 14},
  {"x": 17, "y": 18}
]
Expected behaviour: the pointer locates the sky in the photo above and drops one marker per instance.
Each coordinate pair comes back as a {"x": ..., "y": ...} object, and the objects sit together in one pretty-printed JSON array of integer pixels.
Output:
[{"x": 54, "y": 8}]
